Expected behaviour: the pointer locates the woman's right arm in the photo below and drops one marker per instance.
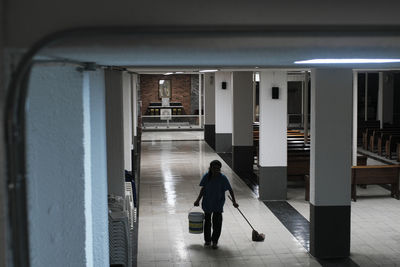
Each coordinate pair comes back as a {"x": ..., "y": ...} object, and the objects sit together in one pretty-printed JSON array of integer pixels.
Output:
[{"x": 196, "y": 203}]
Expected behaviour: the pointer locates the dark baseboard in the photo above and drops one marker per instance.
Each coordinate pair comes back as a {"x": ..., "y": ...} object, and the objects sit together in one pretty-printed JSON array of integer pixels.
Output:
[
  {"x": 242, "y": 159},
  {"x": 330, "y": 231},
  {"x": 209, "y": 135}
]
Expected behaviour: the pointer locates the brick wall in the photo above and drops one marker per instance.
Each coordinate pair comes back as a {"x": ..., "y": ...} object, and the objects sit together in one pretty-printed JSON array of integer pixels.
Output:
[{"x": 180, "y": 89}]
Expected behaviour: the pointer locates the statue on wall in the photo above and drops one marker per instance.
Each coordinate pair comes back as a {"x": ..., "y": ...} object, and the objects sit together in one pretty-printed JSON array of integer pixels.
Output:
[{"x": 164, "y": 89}]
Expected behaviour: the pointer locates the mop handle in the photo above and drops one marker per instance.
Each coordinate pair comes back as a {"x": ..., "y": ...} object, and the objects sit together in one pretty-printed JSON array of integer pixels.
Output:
[{"x": 242, "y": 214}]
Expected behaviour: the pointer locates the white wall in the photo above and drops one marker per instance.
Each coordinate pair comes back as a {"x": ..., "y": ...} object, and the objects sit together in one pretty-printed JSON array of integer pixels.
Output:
[
  {"x": 223, "y": 103},
  {"x": 273, "y": 119},
  {"x": 58, "y": 182}
]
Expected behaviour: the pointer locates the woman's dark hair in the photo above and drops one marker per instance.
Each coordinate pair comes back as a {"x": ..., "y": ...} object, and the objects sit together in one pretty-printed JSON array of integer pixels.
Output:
[{"x": 213, "y": 163}]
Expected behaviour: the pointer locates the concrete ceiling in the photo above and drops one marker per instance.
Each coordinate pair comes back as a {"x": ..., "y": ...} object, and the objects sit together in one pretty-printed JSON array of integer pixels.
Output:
[{"x": 224, "y": 50}]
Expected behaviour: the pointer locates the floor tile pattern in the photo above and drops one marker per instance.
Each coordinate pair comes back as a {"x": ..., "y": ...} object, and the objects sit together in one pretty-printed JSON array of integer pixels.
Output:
[
  {"x": 292, "y": 220},
  {"x": 170, "y": 174}
]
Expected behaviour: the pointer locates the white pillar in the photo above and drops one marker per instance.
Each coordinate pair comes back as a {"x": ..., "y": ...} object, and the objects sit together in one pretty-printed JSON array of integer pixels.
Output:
[
  {"x": 134, "y": 86},
  {"x": 273, "y": 136},
  {"x": 223, "y": 112},
  {"x": 209, "y": 109},
  {"x": 59, "y": 170},
  {"x": 135, "y": 114},
  {"x": 242, "y": 134},
  {"x": 330, "y": 165},
  {"x": 127, "y": 118},
  {"x": 355, "y": 117},
  {"x": 115, "y": 132},
  {"x": 366, "y": 97},
  {"x": 99, "y": 168},
  {"x": 306, "y": 105},
  {"x": 200, "y": 101}
]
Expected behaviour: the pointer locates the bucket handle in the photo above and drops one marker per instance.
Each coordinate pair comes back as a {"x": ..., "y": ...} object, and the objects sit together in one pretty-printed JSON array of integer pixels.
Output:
[{"x": 192, "y": 208}]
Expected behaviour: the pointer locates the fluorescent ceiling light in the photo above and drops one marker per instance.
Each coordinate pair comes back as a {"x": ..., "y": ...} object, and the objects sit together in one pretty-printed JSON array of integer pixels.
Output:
[
  {"x": 179, "y": 72},
  {"x": 208, "y": 70},
  {"x": 168, "y": 73},
  {"x": 347, "y": 61}
]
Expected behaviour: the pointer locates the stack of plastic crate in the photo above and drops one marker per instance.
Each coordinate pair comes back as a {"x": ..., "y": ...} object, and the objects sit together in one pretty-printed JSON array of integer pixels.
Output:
[
  {"x": 129, "y": 202},
  {"x": 120, "y": 239},
  {"x": 116, "y": 203}
]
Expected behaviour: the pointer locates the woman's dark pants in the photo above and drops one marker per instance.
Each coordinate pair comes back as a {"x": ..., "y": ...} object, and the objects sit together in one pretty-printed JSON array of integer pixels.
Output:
[{"x": 216, "y": 223}]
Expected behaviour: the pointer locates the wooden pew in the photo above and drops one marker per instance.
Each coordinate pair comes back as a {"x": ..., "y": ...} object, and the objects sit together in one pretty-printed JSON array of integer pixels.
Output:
[
  {"x": 361, "y": 129},
  {"x": 398, "y": 151},
  {"x": 391, "y": 145},
  {"x": 366, "y": 136},
  {"x": 297, "y": 145},
  {"x": 382, "y": 142},
  {"x": 298, "y": 167},
  {"x": 378, "y": 133},
  {"x": 375, "y": 174}
]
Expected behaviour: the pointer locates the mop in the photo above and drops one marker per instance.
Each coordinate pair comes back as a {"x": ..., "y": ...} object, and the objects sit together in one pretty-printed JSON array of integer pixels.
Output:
[{"x": 255, "y": 236}]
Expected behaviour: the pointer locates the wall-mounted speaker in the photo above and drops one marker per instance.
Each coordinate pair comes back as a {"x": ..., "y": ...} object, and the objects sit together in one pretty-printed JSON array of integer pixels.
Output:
[
  {"x": 275, "y": 92},
  {"x": 223, "y": 85}
]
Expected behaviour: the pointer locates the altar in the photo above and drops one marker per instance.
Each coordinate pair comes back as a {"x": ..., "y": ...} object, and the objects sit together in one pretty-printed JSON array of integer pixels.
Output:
[{"x": 155, "y": 108}]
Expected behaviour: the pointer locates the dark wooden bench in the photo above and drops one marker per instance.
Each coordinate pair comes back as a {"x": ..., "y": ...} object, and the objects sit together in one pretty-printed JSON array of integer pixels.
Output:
[
  {"x": 398, "y": 151},
  {"x": 297, "y": 167},
  {"x": 382, "y": 142},
  {"x": 378, "y": 133},
  {"x": 361, "y": 130},
  {"x": 361, "y": 160},
  {"x": 366, "y": 136},
  {"x": 375, "y": 174},
  {"x": 391, "y": 145}
]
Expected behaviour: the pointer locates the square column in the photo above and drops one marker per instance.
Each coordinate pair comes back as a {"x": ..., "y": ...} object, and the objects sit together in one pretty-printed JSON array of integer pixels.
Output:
[
  {"x": 66, "y": 189},
  {"x": 99, "y": 168},
  {"x": 127, "y": 119},
  {"x": 273, "y": 136},
  {"x": 223, "y": 112},
  {"x": 115, "y": 132},
  {"x": 209, "y": 109},
  {"x": 330, "y": 166},
  {"x": 242, "y": 135},
  {"x": 135, "y": 86}
]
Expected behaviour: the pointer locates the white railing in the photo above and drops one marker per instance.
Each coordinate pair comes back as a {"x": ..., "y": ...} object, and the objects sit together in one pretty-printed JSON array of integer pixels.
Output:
[{"x": 172, "y": 121}]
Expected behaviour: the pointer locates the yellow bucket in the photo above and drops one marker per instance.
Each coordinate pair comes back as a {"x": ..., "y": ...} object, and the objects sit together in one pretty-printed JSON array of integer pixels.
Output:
[{"x": 196, "y": 222}]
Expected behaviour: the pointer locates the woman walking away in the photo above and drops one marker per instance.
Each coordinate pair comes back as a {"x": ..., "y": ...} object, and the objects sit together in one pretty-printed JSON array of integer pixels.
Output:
[{"x": 214, "y": 184}]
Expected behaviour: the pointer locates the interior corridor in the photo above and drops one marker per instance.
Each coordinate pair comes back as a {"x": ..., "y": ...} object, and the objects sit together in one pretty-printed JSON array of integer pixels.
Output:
[{"x": 169, "y": 184}]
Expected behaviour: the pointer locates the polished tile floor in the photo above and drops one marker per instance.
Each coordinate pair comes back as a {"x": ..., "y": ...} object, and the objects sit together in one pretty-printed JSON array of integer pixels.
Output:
[{"x": 170, "y": 174}]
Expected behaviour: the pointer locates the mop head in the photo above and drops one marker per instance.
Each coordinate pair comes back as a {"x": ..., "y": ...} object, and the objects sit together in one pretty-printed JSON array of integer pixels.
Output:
[{"x": 257, "y": 237}]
